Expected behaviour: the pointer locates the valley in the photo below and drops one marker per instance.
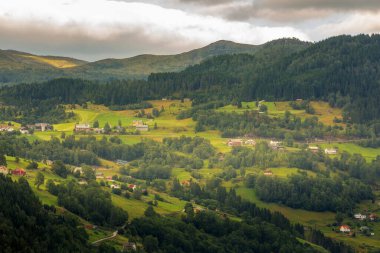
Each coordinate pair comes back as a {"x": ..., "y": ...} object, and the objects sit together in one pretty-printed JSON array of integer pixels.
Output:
[{"x": 166, "y": 125}]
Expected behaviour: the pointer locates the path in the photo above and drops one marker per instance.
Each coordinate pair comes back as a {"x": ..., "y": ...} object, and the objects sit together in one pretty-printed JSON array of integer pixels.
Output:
[{"x": 114, "y": 234}]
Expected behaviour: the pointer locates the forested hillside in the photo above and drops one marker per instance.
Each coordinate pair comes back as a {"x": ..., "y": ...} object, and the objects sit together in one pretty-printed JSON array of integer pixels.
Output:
[
  {"x": 344, "y": 70},
  {"x": 16, "y": 67}
]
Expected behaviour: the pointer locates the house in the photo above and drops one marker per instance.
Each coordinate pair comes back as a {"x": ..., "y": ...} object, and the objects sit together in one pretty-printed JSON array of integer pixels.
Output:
[
  {"x": 4, "y": 170},
  {"x": 275, "y": 144},
  {"x": 24, "y": 130},
  {"x": 121, "y": 162},
  {"x": 345, "y": 229},
  {"x": 115, "y": 186},
  {"x": 235, "y": 142},
  {"x": 47, "y": 162},
  {"x": 268, "y": 172},
  {"x": 82, "y": 128},
  {"x": 360, "y": 216},
  {"x": 43, "y": 127},
  {"x": 314, "y": 149},
  {"x": 331, "y": 151},
  {"x": 6, "y": 128},
  {"x": 19, "y": 172},
  {"x": 250, "y": 142},
  {"x": 132, "y": 187},
  {"x": 142, "y": 128},
  {"x": 185, "y": 183},
  {"x": 372, "y": 217},
  {"x": 129, "y": 246}
]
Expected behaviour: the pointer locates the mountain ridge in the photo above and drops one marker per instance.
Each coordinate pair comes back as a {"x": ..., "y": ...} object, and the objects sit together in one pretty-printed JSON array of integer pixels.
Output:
[{"x": 17, "y": 66}]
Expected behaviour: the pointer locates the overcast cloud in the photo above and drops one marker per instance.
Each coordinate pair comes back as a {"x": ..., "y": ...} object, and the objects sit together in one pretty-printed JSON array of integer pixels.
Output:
[{"x": 96, "y": 29}]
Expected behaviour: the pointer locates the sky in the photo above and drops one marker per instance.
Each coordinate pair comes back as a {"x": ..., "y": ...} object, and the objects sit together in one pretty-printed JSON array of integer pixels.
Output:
[{"x": 97, "y": 29}]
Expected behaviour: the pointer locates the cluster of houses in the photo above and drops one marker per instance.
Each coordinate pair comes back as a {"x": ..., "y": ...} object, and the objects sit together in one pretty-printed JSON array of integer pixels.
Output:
[
  {"x": 42, "y": 127},
  {"x": 328, "y": 151},
  {"x": 17, "y": 172},
  {"x": 240, "y": 142},
  {"x": 371, "y": 217},
  {"x": 86, "y": 128},
  {"x": 140, "y": 126},
  {"x": 363, "y": 229}
]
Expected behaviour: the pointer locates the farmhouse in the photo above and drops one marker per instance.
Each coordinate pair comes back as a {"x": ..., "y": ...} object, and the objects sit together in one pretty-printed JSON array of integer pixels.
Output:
[
  {"x": 331, "y": 151},
  {"x": 360, "y": 216},
  {"x": 43, "y": 127},
  {"x": 250, "y": 142},
  {"x": 4, "y": 170},
  {"x": 24, "y": 130},
  {"x": 314, "y": 149},
  {"x": 275, "y": 144},
  {"x": 268, "y": 172},
  {"x": 132, "y": 187},
  {"x": 372, "y": 217},
  {"x": 6, "y": 128},
  {"x": 142, "y": 128},
  {"x": 235, "y": 142},
  {"x": 115, "y": 186},
  {"x": 19, "y": 172},
  {"x": 82, "y": 128},
  {"x": 345, "y": 229}
]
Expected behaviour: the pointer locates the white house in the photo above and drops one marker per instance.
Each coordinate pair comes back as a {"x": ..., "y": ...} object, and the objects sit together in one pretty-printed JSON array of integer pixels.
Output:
[
  {"x": 115, "y": 186},
  {"x": 360, "y": 216},
  {"x": 275, "y": 144},
  {"x": 345, "y": 229},
  {"x": 142, "y": 128},
  {"x": 314, "y": 149},
  {"x": 331, "y": 151},
  {"x": 4, "y": 170}
]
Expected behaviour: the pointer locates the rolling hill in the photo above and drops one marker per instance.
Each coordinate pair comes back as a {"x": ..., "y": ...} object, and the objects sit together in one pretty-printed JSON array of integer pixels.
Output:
[{"x": 16, "y": 67}]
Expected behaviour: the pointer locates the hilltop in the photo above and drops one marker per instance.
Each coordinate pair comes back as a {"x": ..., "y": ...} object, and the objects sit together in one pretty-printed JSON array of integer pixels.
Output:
[{"x": 16, "y": 67}]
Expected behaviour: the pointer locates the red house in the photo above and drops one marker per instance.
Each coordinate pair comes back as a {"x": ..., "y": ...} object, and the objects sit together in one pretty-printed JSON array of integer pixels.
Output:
[{"x": 19, "y": 172}]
